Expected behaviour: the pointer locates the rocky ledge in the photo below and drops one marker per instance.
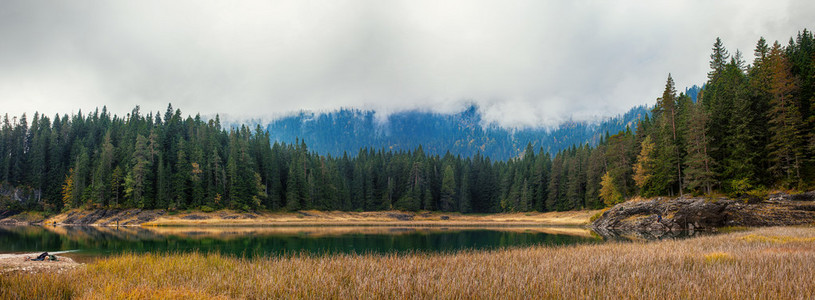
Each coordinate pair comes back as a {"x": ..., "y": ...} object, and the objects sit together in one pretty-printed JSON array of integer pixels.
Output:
[{"x": 668, "y": 217}]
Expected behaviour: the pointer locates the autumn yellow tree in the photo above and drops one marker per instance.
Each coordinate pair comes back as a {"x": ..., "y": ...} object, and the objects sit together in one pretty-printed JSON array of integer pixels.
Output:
[
  {"x": 643, "y": 168},
  {"x": 68, "y": 190},
  {"x": 609, "y": 191}
]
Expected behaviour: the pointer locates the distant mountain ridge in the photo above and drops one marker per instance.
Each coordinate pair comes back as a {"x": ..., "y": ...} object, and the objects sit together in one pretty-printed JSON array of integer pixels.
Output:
[{"x": 463, "y": 133}]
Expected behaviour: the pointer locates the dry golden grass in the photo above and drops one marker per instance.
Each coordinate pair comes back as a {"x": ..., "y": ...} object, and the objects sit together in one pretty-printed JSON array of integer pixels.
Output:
[
  {"x": 775, "y": 239},
  {"x": 375, "y": 218},
  {"x": 738, "y": 265},
  {"x": 638, "y": 199}
]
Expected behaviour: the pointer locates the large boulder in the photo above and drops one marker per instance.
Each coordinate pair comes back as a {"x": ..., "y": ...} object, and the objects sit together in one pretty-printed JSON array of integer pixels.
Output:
[{"x": 660, "y": 217}]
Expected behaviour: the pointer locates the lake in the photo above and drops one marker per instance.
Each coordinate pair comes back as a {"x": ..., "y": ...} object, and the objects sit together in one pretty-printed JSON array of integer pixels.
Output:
[{"x": 90, "y": 242}]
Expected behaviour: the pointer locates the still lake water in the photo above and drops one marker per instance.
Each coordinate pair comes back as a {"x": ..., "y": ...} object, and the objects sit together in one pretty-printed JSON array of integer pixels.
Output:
[{"x": 93, "y": 242}]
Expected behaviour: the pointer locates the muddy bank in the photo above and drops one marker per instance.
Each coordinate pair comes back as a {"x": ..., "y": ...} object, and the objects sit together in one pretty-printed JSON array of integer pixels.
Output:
[{"x": 661, "y": 217}]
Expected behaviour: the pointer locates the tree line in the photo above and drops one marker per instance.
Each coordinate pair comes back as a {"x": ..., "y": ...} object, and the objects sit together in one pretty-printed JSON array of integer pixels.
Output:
[{"x": 752, "y": 128}]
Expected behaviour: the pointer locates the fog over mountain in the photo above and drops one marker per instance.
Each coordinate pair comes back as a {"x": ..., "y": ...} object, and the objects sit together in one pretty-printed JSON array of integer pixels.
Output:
[{"x": 463, "y": 133}]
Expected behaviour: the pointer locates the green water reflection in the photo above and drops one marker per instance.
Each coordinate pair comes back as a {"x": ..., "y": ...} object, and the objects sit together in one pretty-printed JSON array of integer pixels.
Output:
[{"x": 264, "y": 241}]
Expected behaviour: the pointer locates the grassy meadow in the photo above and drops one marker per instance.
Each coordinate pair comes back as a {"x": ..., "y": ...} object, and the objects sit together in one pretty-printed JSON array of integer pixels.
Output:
[{"x": 766, "y": 263}]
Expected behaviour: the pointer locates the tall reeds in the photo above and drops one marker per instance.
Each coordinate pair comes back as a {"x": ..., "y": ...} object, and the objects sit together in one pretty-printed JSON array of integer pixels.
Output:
[{"x": 763, "y": 263}]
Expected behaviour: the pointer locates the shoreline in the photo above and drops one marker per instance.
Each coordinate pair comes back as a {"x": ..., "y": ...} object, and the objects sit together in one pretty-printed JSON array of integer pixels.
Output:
[{"x": 310, "y": 218}]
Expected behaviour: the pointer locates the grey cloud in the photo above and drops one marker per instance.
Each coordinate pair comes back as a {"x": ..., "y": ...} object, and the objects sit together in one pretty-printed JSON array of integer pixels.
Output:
[{"x": 526, "y": 63}]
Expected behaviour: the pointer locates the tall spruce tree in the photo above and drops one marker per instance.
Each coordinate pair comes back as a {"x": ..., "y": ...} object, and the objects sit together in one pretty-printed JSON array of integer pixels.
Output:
[
  {"x": 786, "y": 141},
  {"x": 448, "y": 189},
  {"x": 759, "y": 91},
  {"x": 699, "y": 174}
]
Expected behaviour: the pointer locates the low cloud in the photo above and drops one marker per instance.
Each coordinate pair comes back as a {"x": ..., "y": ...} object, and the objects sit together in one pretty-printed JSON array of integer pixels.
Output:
[{"x": 525, "y": 63}]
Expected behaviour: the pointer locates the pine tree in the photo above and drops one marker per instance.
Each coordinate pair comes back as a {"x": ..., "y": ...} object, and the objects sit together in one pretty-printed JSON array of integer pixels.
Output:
[
  {"x": 619, "y": 156},
  {"x": 540, "y": 180},
  {"x": 296, "y": 186},
  {"x": 82, "y": 190},
  {"x": 718, "y": 59},
  {"x": 718, "y": 102},
  {"x": 102, "y": 174},
  {"x": 163, "y": 183},
  {"x": 5, "y": 149},
  {"x": 759, "y": 90},
  {"x": 181, "y": 178},
  {"x": 553, "y": 199},
  {"x": 785, "y": 121},
  {"x": 667, "y": 161},
  {"x": 233, "y": 184},
  {"x": 448, "y": 192},
  {"x": 576, "y": 180},
  {"x": 465, "y": 200},
  {"x": 116, "y": 181},
  {"x": 740, "y": 139},
  {"x": 217, "y": 186},
  {"x": 594, "y": 174},
  {"x": 698, "y": 164},
  {"x": 39, "y": 136},
  {"x": 136, "y": 179}
]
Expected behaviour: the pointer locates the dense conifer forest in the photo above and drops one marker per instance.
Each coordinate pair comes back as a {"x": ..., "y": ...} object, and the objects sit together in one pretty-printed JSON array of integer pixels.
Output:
[{"x": 752, "y": 129}]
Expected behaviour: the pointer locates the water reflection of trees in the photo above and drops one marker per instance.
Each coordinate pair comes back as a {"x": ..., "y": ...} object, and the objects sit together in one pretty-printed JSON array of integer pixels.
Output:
[{"x": 254, "y": 241}]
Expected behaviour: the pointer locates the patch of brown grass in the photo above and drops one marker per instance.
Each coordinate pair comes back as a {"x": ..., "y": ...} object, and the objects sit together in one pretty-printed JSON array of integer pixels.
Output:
[
  {"x": 375, "y": 218},
  {"x": 728, "y": 266},
  {"x": 775, "y": 239},
  {"x": 36, "y": 286},
  {"x": 729, "y": 229},
  {"x": 637, "y": 199}
]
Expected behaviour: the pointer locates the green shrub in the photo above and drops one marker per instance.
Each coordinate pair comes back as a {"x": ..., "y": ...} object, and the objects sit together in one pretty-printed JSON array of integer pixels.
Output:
[
  {"x": 207, "y": 209},
  {"x": 597, "y": 215},
  {"x": 739, "y": 187}
]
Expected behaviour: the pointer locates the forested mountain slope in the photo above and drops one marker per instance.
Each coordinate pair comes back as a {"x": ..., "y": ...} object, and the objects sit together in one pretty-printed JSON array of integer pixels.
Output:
[
  {"x": 463, "y": 133},
  {"x": 752, "y": 129}
]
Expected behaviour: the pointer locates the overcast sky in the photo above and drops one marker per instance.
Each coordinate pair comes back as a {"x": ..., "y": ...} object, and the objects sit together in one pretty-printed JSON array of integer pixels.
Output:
[{"x": 525, "y": 63}]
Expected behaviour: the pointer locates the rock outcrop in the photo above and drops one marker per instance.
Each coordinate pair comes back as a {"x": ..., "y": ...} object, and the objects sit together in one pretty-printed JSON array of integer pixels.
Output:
[{"x": 666, "y": 217}]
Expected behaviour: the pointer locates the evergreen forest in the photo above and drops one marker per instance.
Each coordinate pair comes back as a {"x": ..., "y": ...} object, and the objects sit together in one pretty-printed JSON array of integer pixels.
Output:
[{"x": 751, "y": 129}]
